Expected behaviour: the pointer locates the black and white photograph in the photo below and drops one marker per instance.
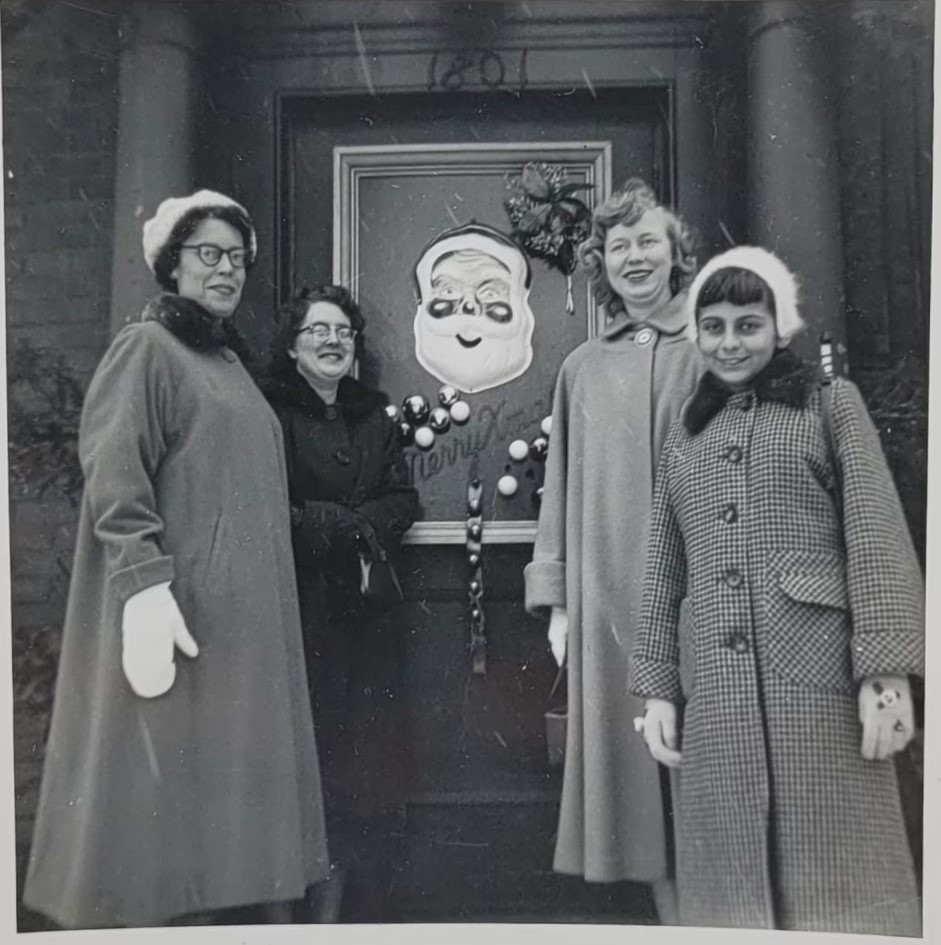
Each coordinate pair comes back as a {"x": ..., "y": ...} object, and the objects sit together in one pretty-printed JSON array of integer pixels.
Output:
[{"x": 468, "y": 465}]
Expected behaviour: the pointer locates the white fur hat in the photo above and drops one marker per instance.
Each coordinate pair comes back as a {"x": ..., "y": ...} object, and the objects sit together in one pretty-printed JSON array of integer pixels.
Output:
[
  {"x": 765, "y": 265},
  {"x": 159, "y": 227}
]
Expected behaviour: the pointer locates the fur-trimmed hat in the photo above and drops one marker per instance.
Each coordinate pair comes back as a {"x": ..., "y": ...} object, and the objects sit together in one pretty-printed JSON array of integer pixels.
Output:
[
  {"x": 159, "y": 228},
  {"x": 779, "y": 279}
]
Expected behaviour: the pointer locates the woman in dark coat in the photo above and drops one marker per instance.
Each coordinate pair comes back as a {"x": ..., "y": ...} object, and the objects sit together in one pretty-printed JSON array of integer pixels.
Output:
[
  {"x": 174, "y": 787},
  {"x": 350, "y": 492},
  {"x": 783, "y": 612}
]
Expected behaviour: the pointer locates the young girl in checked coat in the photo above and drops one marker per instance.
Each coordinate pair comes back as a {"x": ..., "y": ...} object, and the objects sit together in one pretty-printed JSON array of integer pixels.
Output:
[{"x": 783, "y": 612}]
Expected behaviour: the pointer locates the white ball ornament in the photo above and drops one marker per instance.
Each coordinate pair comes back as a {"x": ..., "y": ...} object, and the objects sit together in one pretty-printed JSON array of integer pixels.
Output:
[
  {"x": 424, "y": 438},
  {"x": 518, "y": 450},
  {"x": 546, "y": 425},
  {"x": 460, "y": 412},
  {"x": 507, "y": 485}
]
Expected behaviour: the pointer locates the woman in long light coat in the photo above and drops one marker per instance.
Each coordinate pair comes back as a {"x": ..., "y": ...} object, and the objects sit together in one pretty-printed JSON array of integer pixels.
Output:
[
  {"x": 185, "y": 782},
  {"x": 615, "y": 398},
  {"x": 783, "y": 606}
]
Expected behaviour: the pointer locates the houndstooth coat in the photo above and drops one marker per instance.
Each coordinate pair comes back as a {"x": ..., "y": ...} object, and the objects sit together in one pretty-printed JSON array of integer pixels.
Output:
[{"x": 781, "y": 822}]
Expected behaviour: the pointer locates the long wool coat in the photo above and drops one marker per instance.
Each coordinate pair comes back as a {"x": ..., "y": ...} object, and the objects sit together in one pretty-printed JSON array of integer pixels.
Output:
[
  {"x": 208, "y": 796},
  {"x": 345, "y": 464},
  {"x": 781, "y": 822},
  {"x": 615, "y": 398}
]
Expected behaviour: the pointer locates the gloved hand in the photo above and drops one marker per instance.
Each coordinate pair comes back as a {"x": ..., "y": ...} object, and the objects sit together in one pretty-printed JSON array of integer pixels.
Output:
[
  {"x": 558, "y": 633},
  {"x": 328, "y": 526},
  {"x": 887, "y": 714},
  {"x": 150, "y": 628},
  {"x": 659, "y": 729}
]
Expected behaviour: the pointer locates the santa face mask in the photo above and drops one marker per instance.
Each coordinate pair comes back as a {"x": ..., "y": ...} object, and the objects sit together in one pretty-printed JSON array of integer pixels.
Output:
[{"x": 473, "y": 326}]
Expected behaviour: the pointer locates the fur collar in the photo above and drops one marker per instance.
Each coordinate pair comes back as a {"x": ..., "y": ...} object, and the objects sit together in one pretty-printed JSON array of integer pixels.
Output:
[
  {"x": 785, "y": 380},
  {"x": 356, "y": 400},
  {"x": 194, "y": 326}
]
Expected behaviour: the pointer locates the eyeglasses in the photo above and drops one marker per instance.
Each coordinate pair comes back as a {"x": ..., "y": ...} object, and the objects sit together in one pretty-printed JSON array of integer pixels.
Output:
[
  {"x": 210, "y": 254},
  {"x": 321, "y": 331}
]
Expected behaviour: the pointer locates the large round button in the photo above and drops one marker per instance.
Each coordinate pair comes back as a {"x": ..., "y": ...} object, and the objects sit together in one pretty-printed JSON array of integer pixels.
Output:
[
  {"x": 729, "y": 514},
  {"x": 643, "y": 337},
  {"x": 733, "y": 577}
]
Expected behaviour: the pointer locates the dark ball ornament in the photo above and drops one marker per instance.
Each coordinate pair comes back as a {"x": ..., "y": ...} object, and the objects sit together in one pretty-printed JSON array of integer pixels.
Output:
[
  {"x": 539, "y": 449},
  {"x": 439, "y": 420},
  {"x": 406, "y": 433},
  {"x": 537, "y": 497},
  {"x": 447, "y": 396},
  {"x": 473, "y": 559},
  {"x": 416, "y": 409}
]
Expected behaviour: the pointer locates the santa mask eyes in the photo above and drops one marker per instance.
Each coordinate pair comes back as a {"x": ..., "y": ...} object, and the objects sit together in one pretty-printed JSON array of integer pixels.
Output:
[{"x": 499, "y": 312}]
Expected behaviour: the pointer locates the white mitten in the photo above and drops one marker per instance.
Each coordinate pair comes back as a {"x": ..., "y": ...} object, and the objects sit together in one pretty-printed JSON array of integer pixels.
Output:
[
  {"x": 151, "y": 626},
  {"x": 659, "y": 729},
  {"x": 558, "y": 633},
  {"x": 887, "y": 715}
]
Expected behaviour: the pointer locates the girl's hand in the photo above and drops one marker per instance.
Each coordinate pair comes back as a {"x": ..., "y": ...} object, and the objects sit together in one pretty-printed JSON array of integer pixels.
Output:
[
  {"x": 887, "y": 715},
  {"x": 558, "y": 633},
  {"x": 660, "y": 731}
]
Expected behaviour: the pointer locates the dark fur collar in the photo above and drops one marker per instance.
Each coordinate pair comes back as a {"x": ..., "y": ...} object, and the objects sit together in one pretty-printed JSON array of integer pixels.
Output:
[
  {"x": 356, "y": 400},
  {"x": 785, "y": 380},
  {"x": 194, "y": 326}
]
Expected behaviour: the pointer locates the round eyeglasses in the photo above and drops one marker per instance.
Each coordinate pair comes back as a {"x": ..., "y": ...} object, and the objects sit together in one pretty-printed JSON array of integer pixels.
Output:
[
  {"x": 321, "y": 331},
  {"x": 210, "y": 254}
]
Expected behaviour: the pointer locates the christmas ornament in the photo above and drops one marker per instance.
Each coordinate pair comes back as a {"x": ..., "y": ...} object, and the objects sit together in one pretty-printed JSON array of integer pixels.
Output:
[
  {"x": 460, "y": 412},
  {"x": 447, "y": 396},
  {"x": 518, "y": 450},
  {"x": 439, "y": 420},
  {"x": 539, "y": 448},
  {"x": 546, "y": 425},
  {"x": 392, "y": 412},
  {"x": 416, "y": 409},
  {"x": 406, "y": 433},
  {"x": 424, "y": 438},
  {"x": 549, "y": 221},
  {"x": 507, "y": 485}
]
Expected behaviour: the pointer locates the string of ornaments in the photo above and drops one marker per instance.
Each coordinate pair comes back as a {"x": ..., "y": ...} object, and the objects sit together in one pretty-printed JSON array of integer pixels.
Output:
[{"x": 420, "y": 424}]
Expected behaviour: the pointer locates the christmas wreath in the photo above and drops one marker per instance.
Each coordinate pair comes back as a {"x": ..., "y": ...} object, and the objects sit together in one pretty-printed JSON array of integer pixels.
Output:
[{"x": 549, "y": 221}]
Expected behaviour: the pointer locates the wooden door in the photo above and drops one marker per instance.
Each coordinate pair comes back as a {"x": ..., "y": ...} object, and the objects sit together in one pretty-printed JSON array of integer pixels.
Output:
[{"x": 482, "y": 795}]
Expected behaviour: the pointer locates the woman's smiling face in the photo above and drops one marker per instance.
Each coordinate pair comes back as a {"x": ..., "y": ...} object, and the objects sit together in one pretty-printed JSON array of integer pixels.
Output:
[
  {"x": 736, "y": 341},
  {"x": 638, "y": 260},
  {"x": 218, "y": 288},
  {"x": 323, "y": 361}
]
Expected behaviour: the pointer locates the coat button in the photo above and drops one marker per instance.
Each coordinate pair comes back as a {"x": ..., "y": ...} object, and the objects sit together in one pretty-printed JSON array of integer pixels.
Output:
[
  {"x": 737, "y": 642},
  {"x": 733, "y": 454},
  {"x": 342, "y": 457},
  {"x": 729, "y": 514},
  {"x": 331, "y": 412},
  {"x": 733, "y": 577},
  {"x": 746, "y": 405},
  {"x": 643, "y": 337}
]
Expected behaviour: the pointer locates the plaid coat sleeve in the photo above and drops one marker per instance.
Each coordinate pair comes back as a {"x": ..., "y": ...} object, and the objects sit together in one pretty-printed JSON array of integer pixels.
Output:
[
  {"x": 655, "y": 669},
  {"x": 883, "y": 576}
]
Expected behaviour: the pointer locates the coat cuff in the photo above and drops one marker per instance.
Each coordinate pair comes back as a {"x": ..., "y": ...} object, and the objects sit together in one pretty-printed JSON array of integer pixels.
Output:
[
  {"x": 545, "y": 586},
  {"x": 128, "y": 581},
  {"x": 651, "y": 679},
  {"x": 888, "y": 652}
]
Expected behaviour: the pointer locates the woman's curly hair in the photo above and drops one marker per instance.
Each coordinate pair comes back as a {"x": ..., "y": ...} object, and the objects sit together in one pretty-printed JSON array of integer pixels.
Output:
[{"x": 627, "y": 206}]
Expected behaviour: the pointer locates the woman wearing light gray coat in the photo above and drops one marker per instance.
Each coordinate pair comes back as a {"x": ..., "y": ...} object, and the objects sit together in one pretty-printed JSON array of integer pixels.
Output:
[
  {"x": 783, "y": 607},
  {"x": 615, "y": 398},
  {"x": 180, "y": 783}
]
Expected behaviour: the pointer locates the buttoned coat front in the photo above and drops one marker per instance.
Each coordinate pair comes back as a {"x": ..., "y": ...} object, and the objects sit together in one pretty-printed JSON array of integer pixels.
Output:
[
  {"x": 781, "y": 822},
  {"x": 615, "y": 398}
]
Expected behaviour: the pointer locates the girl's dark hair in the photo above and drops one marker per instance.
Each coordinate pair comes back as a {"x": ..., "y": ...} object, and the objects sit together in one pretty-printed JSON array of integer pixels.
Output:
[
  {"x": 291, "y": 315},
  {"x": 169, "y": 256},
  {"x": 737, "y": 286}
]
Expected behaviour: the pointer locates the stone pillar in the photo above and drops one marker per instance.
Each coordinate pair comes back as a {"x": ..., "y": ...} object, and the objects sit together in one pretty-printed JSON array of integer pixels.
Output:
[
  {"x": 155, "y": 153},
  {"x": 793, "y": 159}
]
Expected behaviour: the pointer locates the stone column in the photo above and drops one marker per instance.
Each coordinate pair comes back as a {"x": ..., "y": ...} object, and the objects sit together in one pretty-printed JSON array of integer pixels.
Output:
[
  {"x": 155, "y": 153},
  {"x": 793, "y": 159}
]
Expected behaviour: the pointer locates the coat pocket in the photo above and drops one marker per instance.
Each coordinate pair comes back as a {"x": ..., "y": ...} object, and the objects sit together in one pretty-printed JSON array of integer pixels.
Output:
[
  {"x": 685, "y": 633},
  {"x": 809, "y": 622}
]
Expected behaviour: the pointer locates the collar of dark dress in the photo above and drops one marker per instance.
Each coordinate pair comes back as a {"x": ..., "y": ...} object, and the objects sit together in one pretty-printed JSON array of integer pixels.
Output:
[
  {"x": 192, "y": 324},
  {"x": 669, "y": 319},
  {"x": 785, "y": 380},
  {"x": 354, "y": 400}
]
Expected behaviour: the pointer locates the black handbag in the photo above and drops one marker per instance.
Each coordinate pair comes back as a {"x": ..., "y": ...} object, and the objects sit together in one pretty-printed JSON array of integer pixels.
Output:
[{"x": 379, "y": 585}]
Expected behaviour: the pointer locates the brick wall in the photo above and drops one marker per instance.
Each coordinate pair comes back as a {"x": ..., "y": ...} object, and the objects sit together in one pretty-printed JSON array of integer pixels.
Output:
[{"x": 59, "y": 118}]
